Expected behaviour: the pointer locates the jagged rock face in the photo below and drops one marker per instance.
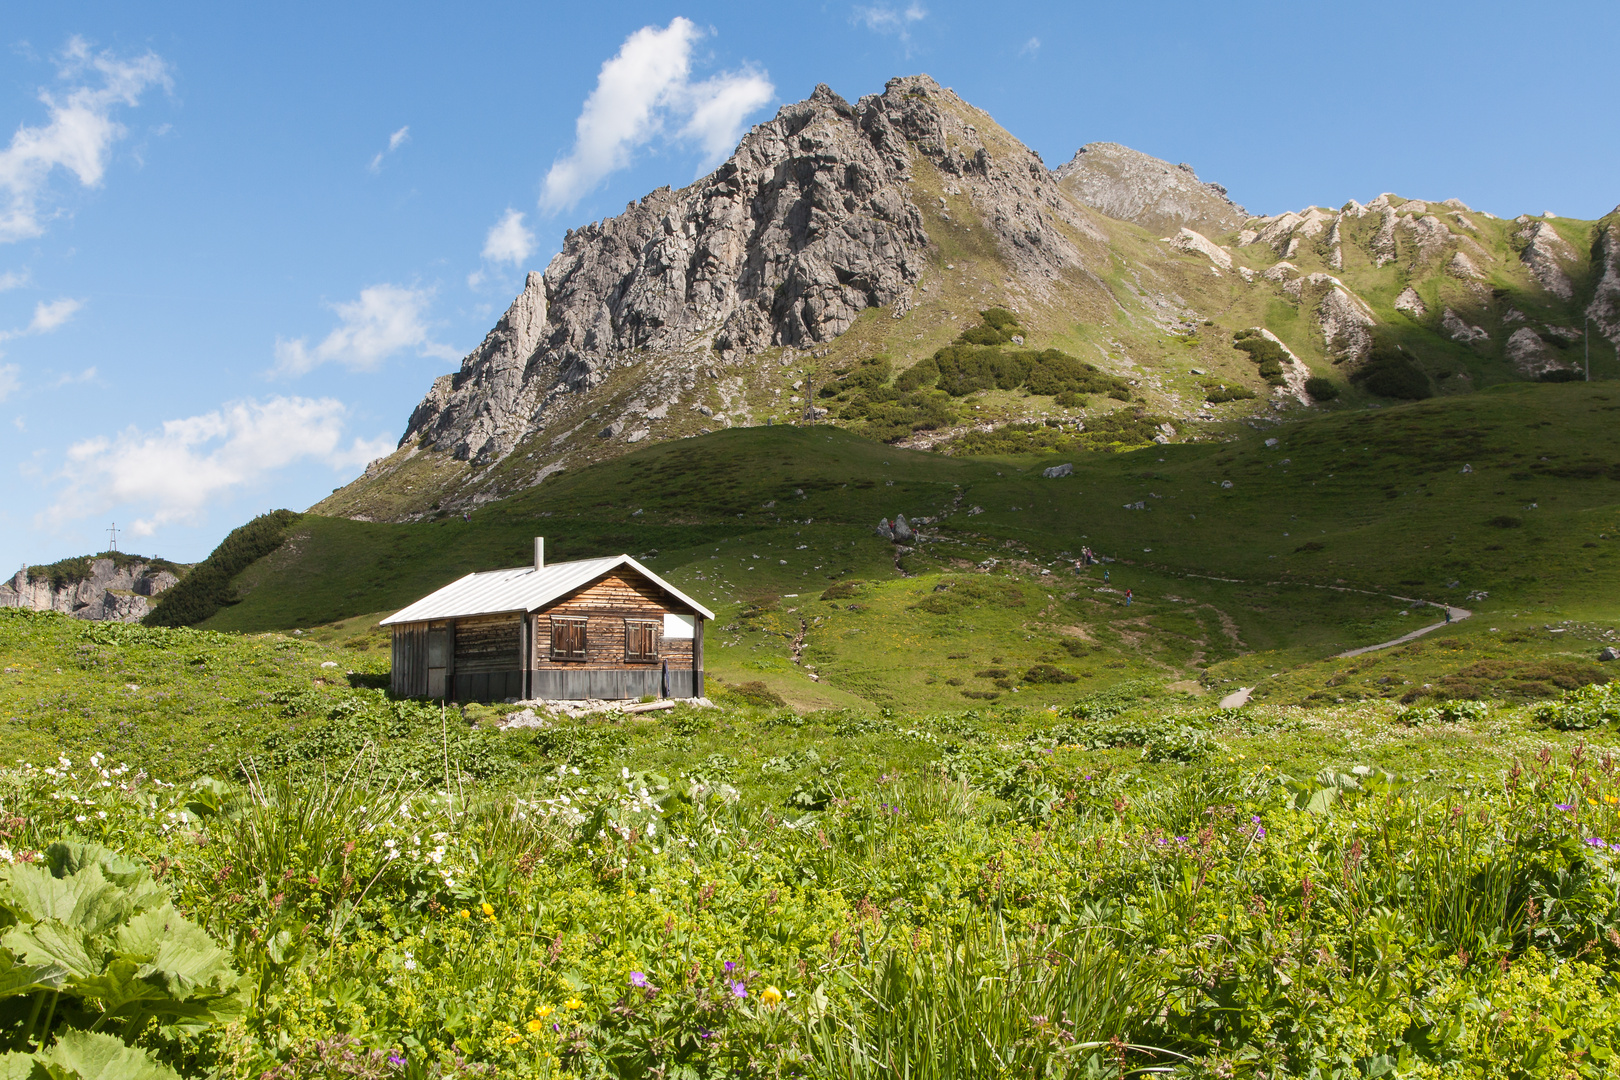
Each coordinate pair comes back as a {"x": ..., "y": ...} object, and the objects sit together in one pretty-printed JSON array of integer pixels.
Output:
[
  {"x": 808, "y": 224},
  {"x": 1530, "y": 355},
  {"x": 110, "y": 593},
  {"x": 1544, "y": 253},
  {"x": 1457, "y": 329},
  {"x": 1196, "y": 242},
  {"x": 1604, "y": 310},
  {"x": 1411, "y": 303},
  {"x": 1133, "y": 186}
]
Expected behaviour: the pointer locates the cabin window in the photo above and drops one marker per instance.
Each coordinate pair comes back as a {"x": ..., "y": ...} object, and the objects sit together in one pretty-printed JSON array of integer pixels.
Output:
[
  {"x": 567, "y": 638},
  {"x": 641, "y": 639}
]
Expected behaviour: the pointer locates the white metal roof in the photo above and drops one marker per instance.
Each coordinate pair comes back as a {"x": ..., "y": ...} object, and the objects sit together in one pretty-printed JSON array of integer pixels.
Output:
[{"x": 524, "y": 589}]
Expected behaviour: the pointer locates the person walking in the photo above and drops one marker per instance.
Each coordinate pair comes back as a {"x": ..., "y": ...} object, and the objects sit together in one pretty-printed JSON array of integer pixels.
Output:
[
  {"x": 1128, "y": 598},
  {"x": 1105, "y": 576}
]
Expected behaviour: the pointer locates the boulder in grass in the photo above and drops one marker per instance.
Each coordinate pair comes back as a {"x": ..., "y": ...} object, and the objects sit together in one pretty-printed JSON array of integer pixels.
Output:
[
  {"x": 1610, "y": 653},
  {"x": 902, "y": 530},
  {"x": 1057, "y": 471}
]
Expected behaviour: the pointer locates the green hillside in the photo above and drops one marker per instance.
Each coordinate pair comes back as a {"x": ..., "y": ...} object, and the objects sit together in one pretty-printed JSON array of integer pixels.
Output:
[{"x": 1505, "y": 502}]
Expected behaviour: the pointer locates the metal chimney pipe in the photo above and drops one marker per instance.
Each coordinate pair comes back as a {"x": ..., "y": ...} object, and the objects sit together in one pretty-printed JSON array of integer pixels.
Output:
[{"x": 539, "y": 553}]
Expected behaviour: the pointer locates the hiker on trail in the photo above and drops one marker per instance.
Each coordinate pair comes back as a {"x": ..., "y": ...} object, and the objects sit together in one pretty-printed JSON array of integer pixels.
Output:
[
  {"x": 1127, "y": 598},
  {"x": 1105, "y": 575},
  {"x": 1448, "y": 613}
]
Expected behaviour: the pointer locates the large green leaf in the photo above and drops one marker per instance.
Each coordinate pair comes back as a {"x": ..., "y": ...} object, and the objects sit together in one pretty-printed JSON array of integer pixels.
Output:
[
  {"x": 18, "y": 978},
  {"x": 52, "y": 942},
  {"x": 86, "y": 901},
  {"x": 91, "y": 1056},
  {"x": 67, "y": 860}
]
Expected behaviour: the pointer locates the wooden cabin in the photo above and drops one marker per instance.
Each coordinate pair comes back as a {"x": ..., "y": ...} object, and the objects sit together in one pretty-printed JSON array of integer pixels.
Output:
[{"x": 596, "y": 628}]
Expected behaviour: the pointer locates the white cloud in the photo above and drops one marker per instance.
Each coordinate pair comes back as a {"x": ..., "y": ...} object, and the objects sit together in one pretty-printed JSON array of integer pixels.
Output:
[
  {"x": 395, "y": 141},
  {"x": 13, "y": 279},
  {"x": 646, "y": 84},
  {"x": 48, "y": 317},
  {"x": 9, "y": 382},
  {"x": 385, "y": 320},
  {"x": 78, "y": 138},
  {"x": 1031, "y": 47},
  {"x": 172, "y": 475},
  {"x": 508, "y": 241},
  {"x": 84, "y": 376},
  {"x": 889, "y": 19}
]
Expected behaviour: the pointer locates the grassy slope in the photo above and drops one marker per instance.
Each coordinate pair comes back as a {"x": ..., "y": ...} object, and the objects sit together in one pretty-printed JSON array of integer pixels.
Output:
[{"x": 1381, "y": 492}]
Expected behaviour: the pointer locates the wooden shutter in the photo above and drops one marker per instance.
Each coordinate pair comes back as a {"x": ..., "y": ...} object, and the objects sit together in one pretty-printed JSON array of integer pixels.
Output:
[
  {"x": 567, "y": 638},
  {"x": 640, "y": 639}
]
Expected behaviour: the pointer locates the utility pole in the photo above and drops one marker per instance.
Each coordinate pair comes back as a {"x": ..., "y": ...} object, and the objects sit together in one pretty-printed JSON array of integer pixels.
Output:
[{"x": 112, "y": 537}]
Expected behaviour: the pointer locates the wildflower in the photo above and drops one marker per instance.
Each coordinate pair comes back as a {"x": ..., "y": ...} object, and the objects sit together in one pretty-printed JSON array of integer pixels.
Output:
[
  {"x": 771, "y": 996},
  {"x": 1566, "y": 807},
  {"x": 396, "y": 1060},
  {"x": 738, "y": 990},
  {"x": 464, "y": 913},
  {"x": 410, "y": 961},
  {"x": 544, "y": 1011},
  {"x": 488, "y": 908},
  {"x": 730, "y": 967},
  {"x": 638, "y": 979},
  {"x": 510, "y": 1039},
  {"x": 573, "y": 1003},
  {"x": 1596, "y": 842},
  {"x": 535, "y": 1026}
]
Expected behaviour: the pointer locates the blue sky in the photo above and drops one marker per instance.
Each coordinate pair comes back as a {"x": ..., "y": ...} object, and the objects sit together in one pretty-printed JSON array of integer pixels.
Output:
[{"x": 238, "y": 243}]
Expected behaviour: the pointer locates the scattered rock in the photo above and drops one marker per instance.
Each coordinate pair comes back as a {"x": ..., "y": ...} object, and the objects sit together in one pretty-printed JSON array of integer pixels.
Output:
[
  {"x": 1056, "y": 471},
  {"x": 1226, "y": 483},
  {"x": 1609, "y": 653},
  {"x": 902, "y": 530}
]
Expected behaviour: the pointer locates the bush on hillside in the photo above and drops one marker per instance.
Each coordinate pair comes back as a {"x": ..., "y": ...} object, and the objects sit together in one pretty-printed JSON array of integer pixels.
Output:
[
  {"x": 209, "y": 585},
  {"x": 1321, "y": 389},
  {"x": 1391, "y": 372},
  {"x": 1580, "y": 710},
  {"x": 1219, "y": 395}
]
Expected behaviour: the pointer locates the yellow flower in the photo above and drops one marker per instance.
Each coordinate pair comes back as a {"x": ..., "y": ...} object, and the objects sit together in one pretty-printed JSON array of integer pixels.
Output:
[
  {"x": 771, "y": 996},
  {"x": 573, "y": 1003},
  {"x": 1611, "y": 800},
  {"x": 544, "y": 1011},
  {"x": 1592, "y": 801},
  {"x": 489, "y": 909},
  {"x": 535, "y": 1025},
  {"x": 464, "y": 913},
  {"x": 510, "y": 1039}
]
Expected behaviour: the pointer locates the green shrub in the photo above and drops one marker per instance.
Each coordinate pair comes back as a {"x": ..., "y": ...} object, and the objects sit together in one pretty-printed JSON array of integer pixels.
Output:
[
  {"x": 209, "y": 585},
  {"x": 1047, "y": 673},
  {"x": 1579, "y": 710},
  {"x": 1321, "y": 389},
  {"x": 1390, "y": 372},
  {"x": 923, "y": 373},
  {"x": 1219, "y": 395},
  {"x": 1450, "y": 712}
]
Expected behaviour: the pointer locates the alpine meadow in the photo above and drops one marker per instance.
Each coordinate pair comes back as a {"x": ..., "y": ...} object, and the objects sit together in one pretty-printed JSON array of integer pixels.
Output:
[{"x": 1148, "y": 639}]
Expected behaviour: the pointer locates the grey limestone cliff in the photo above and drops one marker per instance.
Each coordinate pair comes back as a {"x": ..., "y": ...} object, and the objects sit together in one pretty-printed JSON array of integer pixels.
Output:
[
  {"x": 1133, "y": 186},
  {"x": 109, "y": 591},
  {"x": 811, "y": 222}
]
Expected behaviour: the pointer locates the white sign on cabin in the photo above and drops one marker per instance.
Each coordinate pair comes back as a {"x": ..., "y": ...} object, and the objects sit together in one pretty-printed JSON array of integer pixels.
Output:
[{"x": 677, "y": 626}]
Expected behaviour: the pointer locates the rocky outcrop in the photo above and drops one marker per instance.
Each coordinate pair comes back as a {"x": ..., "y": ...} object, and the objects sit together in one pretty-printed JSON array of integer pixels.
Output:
[
  {"x": 1133, "y": 186},
  {"x": 108, "y": 591},
  {"x": 1530, "y": 355},
  {"x": 809, "y": 223},
  {"x": 1544, "y": 253},
  {"x": 1411, "y": 303},
  {"x": 1383, "y": 244},
  {"x": 1604, "y": 310},
  {"x": 1461, "y": 266},
  {"x": 1459, "y": 330},
  {"x": 1197, "y": 243},
  {"x": 1343, "y": 317}
]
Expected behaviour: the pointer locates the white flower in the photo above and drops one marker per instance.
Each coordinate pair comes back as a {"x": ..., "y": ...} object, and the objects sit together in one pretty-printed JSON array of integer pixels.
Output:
[
  {"x": 624, "y": 774},
  {"x": 101, "y": 813},
  {"x": 410, "y": 962},
  {"x": 82, "y": 817}
]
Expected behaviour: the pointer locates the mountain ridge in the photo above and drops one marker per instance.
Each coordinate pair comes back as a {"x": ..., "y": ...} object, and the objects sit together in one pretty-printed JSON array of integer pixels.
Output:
[{"x": 842, "y": 233}]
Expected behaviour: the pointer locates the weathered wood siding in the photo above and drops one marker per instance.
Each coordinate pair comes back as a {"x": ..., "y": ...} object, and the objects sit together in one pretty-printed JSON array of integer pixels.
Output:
[
  {"x": 408, "y": 671},
  {"x": 489, "y": 663},
  {"x": 605, "y": 604}
]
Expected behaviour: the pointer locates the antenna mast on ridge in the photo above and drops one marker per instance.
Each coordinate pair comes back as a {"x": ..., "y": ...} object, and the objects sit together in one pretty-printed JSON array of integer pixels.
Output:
[{"x": 112, "y": 537}]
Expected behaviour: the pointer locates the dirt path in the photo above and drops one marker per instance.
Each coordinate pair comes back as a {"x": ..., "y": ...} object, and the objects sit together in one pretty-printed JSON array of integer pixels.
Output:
[
  {"x": 1457, "y": 615},
  {"x": 1237, "y": 698}
]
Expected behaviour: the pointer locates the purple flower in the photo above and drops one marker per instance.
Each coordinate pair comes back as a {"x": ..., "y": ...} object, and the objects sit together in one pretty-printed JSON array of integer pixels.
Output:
[
  {"x": 638, "y": 979},
  {"x": 1562, "y": 806},
  {"x": 730, "y": 967},
  {"x": 1596, "y": 842},
  {"x": 395, "y": 1059},
  {"x": 1259, "y": 832},
  {"x": 705, "y": 1034},
  {"x": 739, "y": 990}
]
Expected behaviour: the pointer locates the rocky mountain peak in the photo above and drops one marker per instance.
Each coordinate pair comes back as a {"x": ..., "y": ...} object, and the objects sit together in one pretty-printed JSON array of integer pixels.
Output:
[
  {"x": 1133, "y": 186},
  {"x": 809, "y": 223}
]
